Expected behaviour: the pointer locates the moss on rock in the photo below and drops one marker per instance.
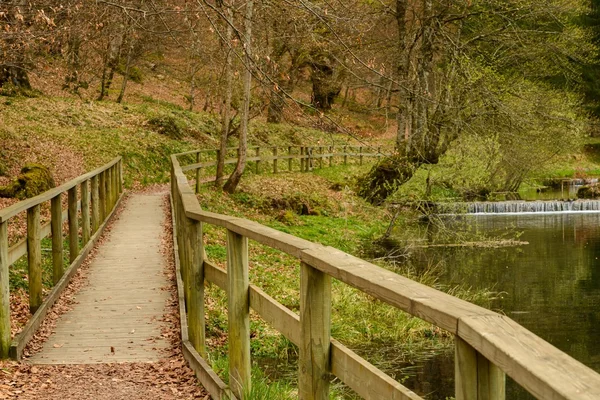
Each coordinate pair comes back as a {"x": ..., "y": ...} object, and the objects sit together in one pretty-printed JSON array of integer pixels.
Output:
[{"x": 33, "y": 180}]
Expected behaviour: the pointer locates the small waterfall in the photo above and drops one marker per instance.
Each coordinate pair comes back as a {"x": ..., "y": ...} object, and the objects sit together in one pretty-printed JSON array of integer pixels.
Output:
[{"x": 514, "y": 207}]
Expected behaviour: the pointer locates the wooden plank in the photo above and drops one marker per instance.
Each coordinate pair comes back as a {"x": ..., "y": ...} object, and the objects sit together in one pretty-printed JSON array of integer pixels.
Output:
[
  {"x": 102, "y": 196},
  {"x": 539, "y": 367},
  {"x": 465, "y": 370},
  {"x": 276, "y": 314},
  {"x": 315, "y": 331},
  {"x": 239, "y": 314},
  {"x": 34, "y": 258},
  {"x": 216, "y": 275},
  {"x": 491, "y": 380},
  {"x": 331, "y": 156},
  {"x": 207, "y": 377},
  {"x": 73, "y": 224},
  {"x": 196, "y": 310},
  {"x": 11, "y": 211},
  {"x": 364, "y": 378},
  {"x": 257, "y": 158},
  {"x": 419, "y": 300},
  {"x": 57, "y": 238},
  {"x": 253, "y": 230},
  {"x": 95, "y": 205},
  {"x": 21, "y": 340},
  {"x": 198, "y": 172},
  {"x": 85, "y": 212},
  {"x": 4, "y": 293}
]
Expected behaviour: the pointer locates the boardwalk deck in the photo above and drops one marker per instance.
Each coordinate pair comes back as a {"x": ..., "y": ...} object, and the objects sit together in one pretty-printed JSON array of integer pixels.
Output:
[{"x": 117, "y": 315}]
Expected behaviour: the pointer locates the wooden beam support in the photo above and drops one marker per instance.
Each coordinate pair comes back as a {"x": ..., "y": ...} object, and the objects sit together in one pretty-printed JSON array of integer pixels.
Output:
[
  {"x": 57, "y": 238},
  {"x": 315, "y": 317},
  {"x": 476, "y": 378},
  {"x": 331, "y": 156},
  {"x": 196, "y": 278},
  {"x": 34, "y": 258},
  {"x": 239, "y": 314},
  {"x": 102, "y": 196},
  {"x": 73, "y": 225},
  {"x": 95, "y": 205},
  {"x": 258, "y": 161},
  {"x": 85, "y": 212},
  {"x": 198, "y": 171}
]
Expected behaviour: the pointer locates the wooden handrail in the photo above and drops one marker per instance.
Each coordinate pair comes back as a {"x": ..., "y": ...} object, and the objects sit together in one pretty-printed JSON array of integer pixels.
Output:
[
  {"x": 11, "y": 211},
  {"x": 106, "y": 191},
  {"x": 487, "y": 344}
]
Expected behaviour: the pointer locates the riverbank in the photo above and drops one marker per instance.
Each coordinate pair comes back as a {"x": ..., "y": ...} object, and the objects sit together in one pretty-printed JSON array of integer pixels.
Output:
[{"x": 321, "y": 206}]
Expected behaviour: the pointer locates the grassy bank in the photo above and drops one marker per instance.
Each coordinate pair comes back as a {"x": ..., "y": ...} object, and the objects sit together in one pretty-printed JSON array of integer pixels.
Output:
[{"x": 322, "y": 207}]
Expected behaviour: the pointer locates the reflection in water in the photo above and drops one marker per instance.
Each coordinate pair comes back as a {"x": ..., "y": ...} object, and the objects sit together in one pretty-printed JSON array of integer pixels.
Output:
[{"x": 551, "y": 286}]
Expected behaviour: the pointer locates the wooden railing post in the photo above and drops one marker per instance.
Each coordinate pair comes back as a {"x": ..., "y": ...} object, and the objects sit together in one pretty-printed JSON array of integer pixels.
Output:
[
  {"x": 5, "y": 337},
  {"x": 57, "y": 238},
  {"x": 290, "y": 159},
  {"x": 113, "y": 187},
  {"x": 315, "y": 316},
  {"x": 345, "y": 155},
  {"x": 302, "y": 159},
  {"x": 73, "y": 224},
  {"x": 239, "y": 314},
  {"x": 476, "y": 377},
  {"x": 107, "y": 193},
  {"x": 378, "y": 153},
  {"x": 199, "y": 170},
  {"x": 34, "y": 258},
  {"x": 275, "y": 160},
  {"x": 360, "y": 152},
  {"x": 320, "y": 157},
  {"x": 95, "y": 205},
  {"x": 258, "y": 161},
  {"x": 120, "y": 176},
  {"x": 331, "y": 156},
  {"x": 85, "y": 212},
  {"x": 115, "y": 175},
  {"x": 102, "y": 195},
  {"x": 196, "y": 279}
]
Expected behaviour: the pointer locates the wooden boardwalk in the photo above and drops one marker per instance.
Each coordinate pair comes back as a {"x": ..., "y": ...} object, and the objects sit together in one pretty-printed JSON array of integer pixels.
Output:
[{"x": 117, "y": 315}]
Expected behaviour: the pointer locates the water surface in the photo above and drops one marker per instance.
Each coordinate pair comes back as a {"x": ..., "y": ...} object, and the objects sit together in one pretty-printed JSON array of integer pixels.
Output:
[{"x": 550, "y": 286}]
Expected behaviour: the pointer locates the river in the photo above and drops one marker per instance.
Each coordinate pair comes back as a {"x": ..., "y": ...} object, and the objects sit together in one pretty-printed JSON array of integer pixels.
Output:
[{"x": 551, "y": 286}]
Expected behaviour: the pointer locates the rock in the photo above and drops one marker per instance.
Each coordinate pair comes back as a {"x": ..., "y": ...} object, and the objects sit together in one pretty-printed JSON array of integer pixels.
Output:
[
  {"x": 33, "y": 180},
  {"x": 589, "y": 191}
]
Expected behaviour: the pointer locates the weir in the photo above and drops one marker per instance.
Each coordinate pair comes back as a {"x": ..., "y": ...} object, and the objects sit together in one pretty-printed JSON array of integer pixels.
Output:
[{"x": 515, "y": 207}]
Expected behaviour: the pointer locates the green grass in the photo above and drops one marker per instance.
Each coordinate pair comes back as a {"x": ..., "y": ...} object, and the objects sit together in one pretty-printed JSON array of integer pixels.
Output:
[{"x": 345, "y": 222}]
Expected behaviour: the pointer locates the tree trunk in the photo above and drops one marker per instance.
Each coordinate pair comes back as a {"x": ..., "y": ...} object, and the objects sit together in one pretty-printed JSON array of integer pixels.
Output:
[
  {"x": 228, "y": 95},
  {"x": 126, "y": 74},
  {"x": 235, "y": 177}
]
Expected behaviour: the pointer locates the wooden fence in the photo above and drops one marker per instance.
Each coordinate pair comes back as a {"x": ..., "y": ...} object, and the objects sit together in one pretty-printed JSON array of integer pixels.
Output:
[
  {"x": 488, "y": 344},
  {"x": 100, "y": 192},
  {"x": 308, "y": 157}
]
